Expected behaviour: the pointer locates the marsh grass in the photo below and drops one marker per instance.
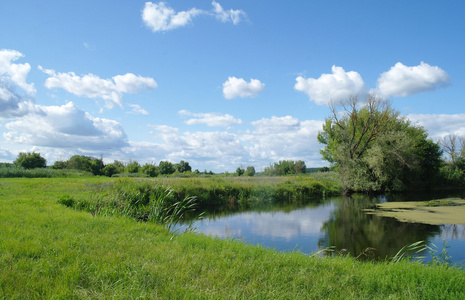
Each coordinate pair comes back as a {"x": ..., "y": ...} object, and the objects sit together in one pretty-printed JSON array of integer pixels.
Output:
[
  {"x": 140, "y": 200},
  {"x": 48, "y": 251},
  {"x": 15, "y": 172}
]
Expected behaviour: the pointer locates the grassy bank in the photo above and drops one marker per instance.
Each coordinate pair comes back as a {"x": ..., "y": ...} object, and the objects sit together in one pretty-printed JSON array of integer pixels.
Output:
[{"x": 50, "y": 251}]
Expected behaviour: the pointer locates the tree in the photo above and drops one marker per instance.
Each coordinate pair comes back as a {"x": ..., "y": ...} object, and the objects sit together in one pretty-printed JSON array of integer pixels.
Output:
[
  {"x": 132, "y": 167},
  {"x": 30, "y": 160},
  {"x": 239, "y": 171},
  {"x": 150, "y": 170},
  {"x": 182, "y": 166},
  {"x": 166, "y": 168},
  {"x": 250, "y": 171},
  {"x": 110, "y": 169},
  {"x": 80, "y": 162},
  {"x": 374, "y": 149},
  {"x": 286, "y": 167}
]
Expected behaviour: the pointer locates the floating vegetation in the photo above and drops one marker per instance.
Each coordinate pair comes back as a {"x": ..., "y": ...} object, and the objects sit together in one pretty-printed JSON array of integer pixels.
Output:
[{"x": 434, "y": 212}]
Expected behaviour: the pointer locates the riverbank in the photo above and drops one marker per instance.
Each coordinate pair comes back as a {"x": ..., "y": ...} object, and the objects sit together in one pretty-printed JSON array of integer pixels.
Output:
[{"x": 51, "y": 251}]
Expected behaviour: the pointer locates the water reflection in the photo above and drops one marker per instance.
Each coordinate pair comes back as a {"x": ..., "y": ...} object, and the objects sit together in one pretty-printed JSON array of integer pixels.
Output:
[
  {"x": 349, "y": 228},
  {"x": 337, "y": 222}
]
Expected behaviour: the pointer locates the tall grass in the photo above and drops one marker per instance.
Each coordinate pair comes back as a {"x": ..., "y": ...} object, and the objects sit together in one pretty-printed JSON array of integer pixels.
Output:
[
  {"x": 140, "y": 200},
  {"x": 15, "y": 172}
]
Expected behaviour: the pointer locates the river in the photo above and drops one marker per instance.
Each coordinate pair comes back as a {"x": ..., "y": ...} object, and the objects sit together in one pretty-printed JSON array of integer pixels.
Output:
[{"x": 337, "y": 223}]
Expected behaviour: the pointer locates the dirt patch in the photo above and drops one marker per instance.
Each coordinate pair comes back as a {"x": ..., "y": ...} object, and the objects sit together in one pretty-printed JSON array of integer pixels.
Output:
[{"x": 435, "y": 212}]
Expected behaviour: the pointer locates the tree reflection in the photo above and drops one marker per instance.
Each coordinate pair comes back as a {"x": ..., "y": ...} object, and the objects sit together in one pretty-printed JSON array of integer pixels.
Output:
[{"x": 350, "y": 229}]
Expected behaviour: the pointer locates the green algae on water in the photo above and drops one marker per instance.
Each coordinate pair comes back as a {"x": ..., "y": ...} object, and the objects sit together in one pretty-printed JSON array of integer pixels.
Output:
[{"x": 434, "y": 212}]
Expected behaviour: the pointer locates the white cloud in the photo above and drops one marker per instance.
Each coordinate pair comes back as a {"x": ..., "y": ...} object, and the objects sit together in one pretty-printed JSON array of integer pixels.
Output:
[
  {"x": 17, "y": 73},
  {"x": 283, "y": 138},
  {"x": 210, "y": 119},
  {"x": 160, "y": 17},
  {"x": 227, "y": 15},
  {"x": 402, "y": 81},
  {"x": 440, "y": 125},
  {"x": 238, "y": 87},
  {"x": 92, "y": 86},
  {"x": 274, "y": 139},
  {"x": 66, "y": 126},
  {"x": 137, "y": 110},
  {"x": 16, "y": 95},
  {"x": 335, "y": 87}
]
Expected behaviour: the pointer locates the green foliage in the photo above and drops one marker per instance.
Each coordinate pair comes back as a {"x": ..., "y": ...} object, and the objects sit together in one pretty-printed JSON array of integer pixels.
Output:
[
  {"x": 286, "y": 167},
  {"x": 250, "y": 171},
  {"x": 166, "y": 168},
  {"x": 110, "y": 170},
  {"x": 239, "y": 171},
  {"x": 66, "y": 200},
  {"x": 30, "y": 160},
  {"x": 149, "y": 170},
  {"x": 14, "y": 172},
  {"x": 182, "y": 166},
  {"x": 373, "y": 149},
  {"x": 143, "y": 201},
  {"x": 132, "y": 167}
]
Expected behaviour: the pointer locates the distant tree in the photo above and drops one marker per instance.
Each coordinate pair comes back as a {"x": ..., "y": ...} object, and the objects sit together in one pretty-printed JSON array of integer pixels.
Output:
[
  {"x": 97, "y": 165},
  {"x": 299, "y": 167},
  {"x": 239, "y": 171},
  {"x": 250, "y": 171},
  {"x": 132, "y": 167},
  {"x": 150, "y": 170},
  {"x": 30, "y": 160},
  {"x": 110, "y": 170},
  {"x": 86, "y": 163},
  {"x": 59, "y": 165},
  {"x": 166, "y": 168},
  {"x": 286, "y": 167},
  {"x": 80, "y": 162},
  {"x": 182, "y": 166}
]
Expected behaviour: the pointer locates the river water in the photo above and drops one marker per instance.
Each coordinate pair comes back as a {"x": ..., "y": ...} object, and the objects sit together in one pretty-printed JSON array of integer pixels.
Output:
[{"x": 339, "y": 223}]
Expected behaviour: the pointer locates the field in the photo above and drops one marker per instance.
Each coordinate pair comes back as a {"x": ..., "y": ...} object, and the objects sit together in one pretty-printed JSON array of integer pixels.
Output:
[{"x": 48, "y": 250}]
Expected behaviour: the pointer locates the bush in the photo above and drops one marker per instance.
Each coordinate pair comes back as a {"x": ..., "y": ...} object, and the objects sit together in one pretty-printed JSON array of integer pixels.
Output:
[{"x": 66, "y": 200}]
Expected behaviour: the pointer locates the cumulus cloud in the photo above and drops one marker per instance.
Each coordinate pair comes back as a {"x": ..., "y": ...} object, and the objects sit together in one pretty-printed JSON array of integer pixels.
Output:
[
  {"x": 160, "y": 17},
  {"x": 16, "y": 95},
  {"x": 92, "y": 86},
  {"x": 137, "y": 110},
  {"x": 271, "y": 140},
  {"x": 402, "y": 81},
  {"x": 335, "y": 87},
  {"x": 282, "y": 138},
  {"x": 440, "y": 125},
  {"x": 66, "y": 126},
  {"x": 210, "y": 119},
  {"x": 238, "y": 87},
  {"x": 17, "y": 73}
]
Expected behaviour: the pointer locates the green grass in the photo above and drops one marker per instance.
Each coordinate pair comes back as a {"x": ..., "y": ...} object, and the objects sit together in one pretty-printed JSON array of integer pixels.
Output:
[{"x": 48, "y": 250}]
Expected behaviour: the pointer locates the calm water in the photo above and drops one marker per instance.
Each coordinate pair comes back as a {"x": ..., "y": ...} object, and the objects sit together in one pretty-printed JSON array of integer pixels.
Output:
[{"x": 337, "y": 222}]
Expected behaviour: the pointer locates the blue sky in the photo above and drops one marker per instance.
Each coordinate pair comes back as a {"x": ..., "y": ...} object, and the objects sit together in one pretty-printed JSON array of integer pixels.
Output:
[{"x": 219, "y": 84}]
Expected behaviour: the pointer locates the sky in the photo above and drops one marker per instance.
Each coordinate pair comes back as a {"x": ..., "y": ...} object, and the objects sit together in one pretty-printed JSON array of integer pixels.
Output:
[{"x": 220, "y": 84}]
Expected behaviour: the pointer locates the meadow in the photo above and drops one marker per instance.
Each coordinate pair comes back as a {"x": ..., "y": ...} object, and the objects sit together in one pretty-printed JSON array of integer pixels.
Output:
[{"x": 49, "y": 250}]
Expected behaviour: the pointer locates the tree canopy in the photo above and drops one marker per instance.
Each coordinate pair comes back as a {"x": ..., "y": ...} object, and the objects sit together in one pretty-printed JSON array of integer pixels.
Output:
[
  {"x": 374, "y": 149},
  {"x": 30, "y": 160}
]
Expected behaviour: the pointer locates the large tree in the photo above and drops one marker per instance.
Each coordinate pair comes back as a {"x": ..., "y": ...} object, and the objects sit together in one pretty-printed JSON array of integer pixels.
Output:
[
  {"x": 374, "y": 149},
  {"x": 30, "y": 160}
]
